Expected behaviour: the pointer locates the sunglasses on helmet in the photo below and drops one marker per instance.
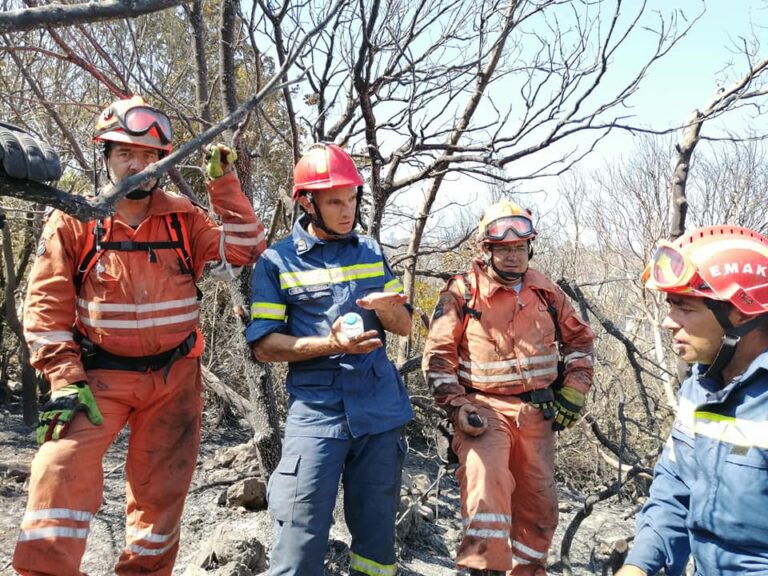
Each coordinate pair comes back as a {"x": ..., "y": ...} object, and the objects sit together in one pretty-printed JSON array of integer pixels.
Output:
[
  {"x": 139, "y": 120},
  {"x": 670, "y": 270},
  {"x": 499, "y": 229}
]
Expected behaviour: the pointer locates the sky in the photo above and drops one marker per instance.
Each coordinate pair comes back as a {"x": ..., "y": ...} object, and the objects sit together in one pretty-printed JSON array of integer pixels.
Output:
[{"x": 685, "y": 79}]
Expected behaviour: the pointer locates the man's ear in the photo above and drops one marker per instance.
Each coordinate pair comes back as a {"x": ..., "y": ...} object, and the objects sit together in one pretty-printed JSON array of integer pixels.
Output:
[
  {"x": 306, "y": 204},
  {"x": 738, "y": 317}
]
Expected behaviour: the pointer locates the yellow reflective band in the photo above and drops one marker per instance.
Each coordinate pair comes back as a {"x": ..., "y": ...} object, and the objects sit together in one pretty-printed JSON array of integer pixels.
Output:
[
  {"x": 736, "y": 431},
  {"x": 267, "y": 311},
  {"x": 394, "y": 286},
  {"x": 370, "y": 567},
  {"x": 331, "y": 275}
]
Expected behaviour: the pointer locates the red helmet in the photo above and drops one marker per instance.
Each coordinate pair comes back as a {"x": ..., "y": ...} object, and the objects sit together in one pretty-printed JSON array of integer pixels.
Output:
[
  {"x": 323, "y": 167},
  {"x": 726, "y": 263},
  {"x": 132, "y": 121}
]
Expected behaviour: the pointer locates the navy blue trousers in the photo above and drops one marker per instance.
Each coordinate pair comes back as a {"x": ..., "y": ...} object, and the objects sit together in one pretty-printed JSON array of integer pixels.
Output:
[{"x": 302, "y": 493}]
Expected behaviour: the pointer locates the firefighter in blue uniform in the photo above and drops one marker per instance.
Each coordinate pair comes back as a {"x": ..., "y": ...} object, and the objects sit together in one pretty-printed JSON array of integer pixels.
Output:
[
  {"x": 709, "y": 497},
  {"x": 347, "y": 402}
]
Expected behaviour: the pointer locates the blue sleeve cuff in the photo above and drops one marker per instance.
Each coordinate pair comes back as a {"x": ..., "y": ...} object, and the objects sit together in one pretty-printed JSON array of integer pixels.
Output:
[{"x": 258, "y": 329}]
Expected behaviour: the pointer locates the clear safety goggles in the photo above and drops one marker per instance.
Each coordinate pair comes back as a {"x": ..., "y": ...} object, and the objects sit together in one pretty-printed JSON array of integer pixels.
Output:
[
  {"x": 139, "y": 120},
  {"x": 520, "y": 226},
  {"x": 670, "y": 270}
]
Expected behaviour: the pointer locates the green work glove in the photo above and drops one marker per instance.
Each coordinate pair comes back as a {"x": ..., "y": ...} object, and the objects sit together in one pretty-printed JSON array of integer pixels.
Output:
[
  {"x": 56, "y": 415},
  {"x": 218, "y": 157},
  {"x": 568, "y": 402}
]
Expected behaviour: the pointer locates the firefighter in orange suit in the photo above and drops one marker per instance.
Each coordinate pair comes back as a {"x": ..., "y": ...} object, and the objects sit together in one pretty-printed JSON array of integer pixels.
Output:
[
  {"x": 491, "y": 359},
  {"x": 111, "y": 320}
]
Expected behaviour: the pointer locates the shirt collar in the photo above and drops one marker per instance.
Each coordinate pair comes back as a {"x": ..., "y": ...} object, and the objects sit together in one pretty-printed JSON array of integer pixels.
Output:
[{"x": 304, "y": 241}]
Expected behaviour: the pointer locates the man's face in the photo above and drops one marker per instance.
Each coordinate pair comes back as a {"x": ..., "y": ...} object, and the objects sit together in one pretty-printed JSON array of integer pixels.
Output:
[
  {"x": 696, "y": 333},
  {"x": 509, "y": 257},
  {"x": 125, "y": 160},
  {"x": 337, "y": 207}
]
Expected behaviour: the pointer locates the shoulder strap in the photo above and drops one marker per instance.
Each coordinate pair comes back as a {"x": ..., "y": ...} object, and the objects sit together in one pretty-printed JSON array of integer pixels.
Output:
[
  {"x": 98, "y": 231},
  {"x": 177, "y": 230},
  {"x": 545, "y": 296},
  {"x": 470, "y": 297}
]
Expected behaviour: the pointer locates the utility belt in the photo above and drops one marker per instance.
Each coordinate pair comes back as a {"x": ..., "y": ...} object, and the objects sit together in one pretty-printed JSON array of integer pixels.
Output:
[{"x": 95, "y": 358}]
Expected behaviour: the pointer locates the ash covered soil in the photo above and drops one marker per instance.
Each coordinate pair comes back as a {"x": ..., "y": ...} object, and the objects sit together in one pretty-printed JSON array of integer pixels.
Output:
[{"x": 225, "y": 530}]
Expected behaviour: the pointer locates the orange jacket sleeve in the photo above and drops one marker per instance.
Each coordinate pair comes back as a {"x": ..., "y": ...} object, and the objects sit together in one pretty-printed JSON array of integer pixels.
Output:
[
  {"x": 49, "y": 308},
  {"x": 440, "y": 361},
  {"x": 577, "y": 344},
  {"x": 241, "y": 234}
]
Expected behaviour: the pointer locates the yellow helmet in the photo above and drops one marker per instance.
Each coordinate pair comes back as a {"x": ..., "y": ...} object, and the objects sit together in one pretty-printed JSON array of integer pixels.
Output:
[
  {"x": 132, "y": 121},
  {"x": 505, "y": 222}
]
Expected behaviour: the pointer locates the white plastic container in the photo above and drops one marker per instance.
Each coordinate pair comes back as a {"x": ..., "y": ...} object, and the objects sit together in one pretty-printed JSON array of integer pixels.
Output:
[{"x": 352, "y": 324}]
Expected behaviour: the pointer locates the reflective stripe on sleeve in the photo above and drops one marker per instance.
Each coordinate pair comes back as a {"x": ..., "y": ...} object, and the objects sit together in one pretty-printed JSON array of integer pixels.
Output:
[
  {"x": 267, "y": 311},
  {"x": 736, "y": 431},
  {"x": 394, "y": 285}
]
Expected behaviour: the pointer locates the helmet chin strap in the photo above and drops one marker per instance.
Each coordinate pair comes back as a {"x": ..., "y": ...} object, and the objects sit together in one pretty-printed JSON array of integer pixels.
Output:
[
  {"x": 508, "y": 276},
  {"x": 733, "y": 334}
]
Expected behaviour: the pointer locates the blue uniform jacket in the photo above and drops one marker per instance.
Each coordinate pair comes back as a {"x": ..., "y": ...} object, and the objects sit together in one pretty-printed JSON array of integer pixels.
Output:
[
  {"x": 709, "y": 496},
  {"x": 301, "y": 285}
]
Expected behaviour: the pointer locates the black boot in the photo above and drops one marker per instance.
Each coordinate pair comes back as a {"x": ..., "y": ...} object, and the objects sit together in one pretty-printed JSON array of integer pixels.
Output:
[{"x": 476, "y": 572}]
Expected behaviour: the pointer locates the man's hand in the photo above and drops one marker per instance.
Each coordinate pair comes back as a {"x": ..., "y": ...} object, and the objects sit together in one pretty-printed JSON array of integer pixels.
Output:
[
  {"x": 24, "y": 157},
  {"x": 469, "y": 421},
  {"x": 360, "y": 344},
  {"x": 568, "y": 402},
  {"x": 381, "y": 300},
  {"x": 219, "y": 160},
  {"x": 56, "y": 415}
]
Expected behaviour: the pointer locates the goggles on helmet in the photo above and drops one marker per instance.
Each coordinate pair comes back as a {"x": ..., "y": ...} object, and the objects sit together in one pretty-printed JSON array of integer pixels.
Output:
[
  {"x": 670, "y": 270},
  {"x": 499, "y": 229},
  {"x": 139, "y": 120}
]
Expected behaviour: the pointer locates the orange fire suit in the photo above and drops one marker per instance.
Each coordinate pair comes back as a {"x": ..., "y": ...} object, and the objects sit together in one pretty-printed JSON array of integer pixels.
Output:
[
  {"x": 135, "y": 307},
  {"x": 509, "y": 504}
]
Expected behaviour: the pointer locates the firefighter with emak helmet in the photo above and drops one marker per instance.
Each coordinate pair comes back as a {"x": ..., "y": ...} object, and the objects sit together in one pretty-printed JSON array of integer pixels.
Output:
[
  {"x": 709, "y": 496},
  {"x": 111, "y": 319},
  {"x": 347, "y": 402},
  {"x": 510, "y": 361}
]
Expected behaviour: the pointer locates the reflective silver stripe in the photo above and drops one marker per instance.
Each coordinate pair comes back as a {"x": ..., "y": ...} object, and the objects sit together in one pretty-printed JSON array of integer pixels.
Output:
[
  {"x": 684, "y": 421},
  {"x": 670, "y": 445},
  {"x": 134, "y": 534},
  {"x": 488, "y": 517},
  {"x": 528, "y": 550},
  {"x": 247, "y": 227},
  {"x": 37, "y": 340},
  {"x": 508, "y": 377},
  {"x": 736, "y": 431},
  {"x": 442, "y": 377},
  {"x": 509, "y": 363},
  {"x": 576, "y": 356},
  {"x": 240, "y": 241},
  {"x": 393, "y": 286},
  {"x": 138, "y": 324},
  {"x": 57, "y": 514},
  {"x": 143, "y": 551},
  {"x": 517, "y": 560},
  {"x": 488, "y": 534},
  {"x": 53, "y": 532},
  {"x": 136, "y": 308}
]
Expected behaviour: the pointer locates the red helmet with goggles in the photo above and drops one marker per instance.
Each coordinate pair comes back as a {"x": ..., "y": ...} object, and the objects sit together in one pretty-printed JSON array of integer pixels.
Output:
[
  {"x": 132, "y": 121},
  {"x": 323, "y": 167},
  {"x": 726, "y": 263},
  {"x": 505, "y": 222}
]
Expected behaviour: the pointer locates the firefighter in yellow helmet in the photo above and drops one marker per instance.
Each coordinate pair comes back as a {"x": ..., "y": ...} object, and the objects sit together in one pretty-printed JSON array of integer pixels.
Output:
[
  {"x": 127, "y": 285},
  {"x": 491, "y": 360}
]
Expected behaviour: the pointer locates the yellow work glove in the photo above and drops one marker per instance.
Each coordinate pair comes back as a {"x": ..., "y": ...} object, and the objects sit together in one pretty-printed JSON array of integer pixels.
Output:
[
  {"x": 217, "y": 158},
  {"x": 568, "y": 403},
  {"x": 56, "y": 415}
]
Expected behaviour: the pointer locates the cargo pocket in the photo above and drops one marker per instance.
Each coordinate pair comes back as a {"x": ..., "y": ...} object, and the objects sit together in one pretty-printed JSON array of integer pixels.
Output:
[{"x": 281, "y": 490}]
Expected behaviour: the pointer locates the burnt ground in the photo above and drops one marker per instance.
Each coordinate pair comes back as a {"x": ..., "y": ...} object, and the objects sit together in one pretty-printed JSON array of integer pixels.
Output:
[{"x": 426, "y": 550}]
